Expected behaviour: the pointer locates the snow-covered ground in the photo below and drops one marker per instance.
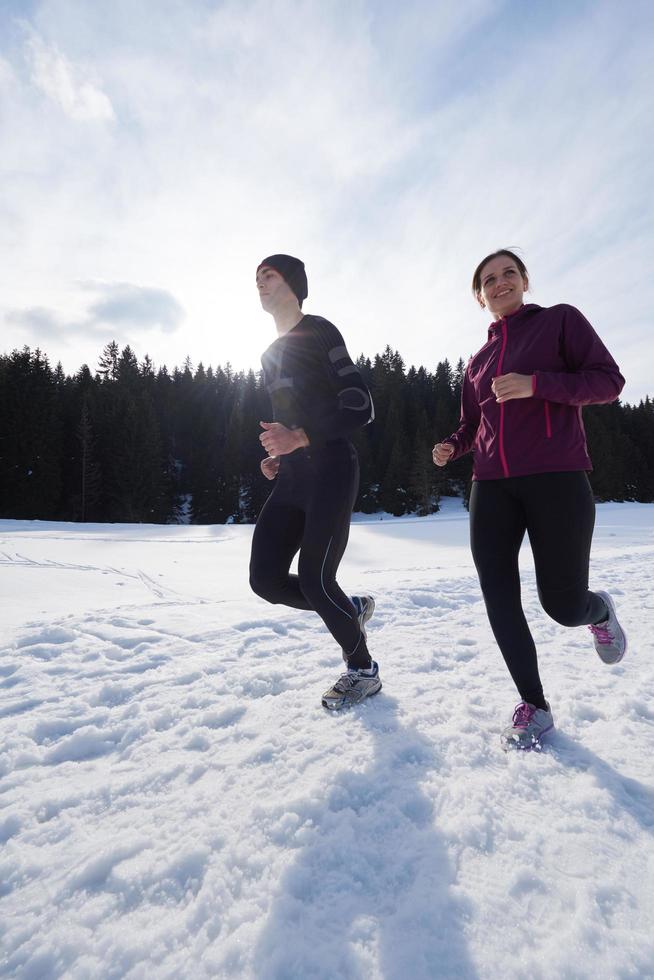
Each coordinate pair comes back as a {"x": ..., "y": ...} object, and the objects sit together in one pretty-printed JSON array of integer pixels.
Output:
[{"x": 176, "y": 803}]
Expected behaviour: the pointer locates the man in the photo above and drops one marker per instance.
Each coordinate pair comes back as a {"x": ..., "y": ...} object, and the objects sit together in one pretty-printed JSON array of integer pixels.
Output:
[{"x": 318, "y": 398}]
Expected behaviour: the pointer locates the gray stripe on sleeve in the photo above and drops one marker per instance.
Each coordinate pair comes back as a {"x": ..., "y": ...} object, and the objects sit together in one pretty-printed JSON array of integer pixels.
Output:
[
  {"x": 338, "y": 354},
  {"x": 281, "y": 383}
]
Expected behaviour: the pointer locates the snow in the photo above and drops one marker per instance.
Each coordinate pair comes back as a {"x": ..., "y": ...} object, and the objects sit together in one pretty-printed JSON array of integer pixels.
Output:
[{"x": 176, "y": 803}]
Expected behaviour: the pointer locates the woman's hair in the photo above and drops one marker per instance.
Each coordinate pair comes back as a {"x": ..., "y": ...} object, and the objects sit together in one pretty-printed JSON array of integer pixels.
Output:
[{"x": 476, "y": 279}]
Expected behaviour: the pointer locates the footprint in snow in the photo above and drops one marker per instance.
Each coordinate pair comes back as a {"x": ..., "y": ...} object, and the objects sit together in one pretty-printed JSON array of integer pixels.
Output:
[
  {"x": 255, "y": 624},
  {"x": 222, "y": 719}
]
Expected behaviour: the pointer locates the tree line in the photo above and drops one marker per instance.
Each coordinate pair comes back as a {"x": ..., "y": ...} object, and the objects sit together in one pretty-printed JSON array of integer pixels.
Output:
[{"x": 129, "y": 442}]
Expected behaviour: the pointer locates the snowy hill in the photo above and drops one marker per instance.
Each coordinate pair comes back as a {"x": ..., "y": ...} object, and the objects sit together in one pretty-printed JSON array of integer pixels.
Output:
[{"x": 176, "y": 803}]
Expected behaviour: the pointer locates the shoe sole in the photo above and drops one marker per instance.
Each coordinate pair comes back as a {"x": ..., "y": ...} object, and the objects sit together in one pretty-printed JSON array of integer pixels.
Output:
[
  {"x": 611, "y": 605},
  {"x": 513, "y": 745},
  {"x": 345, "y": 703}
]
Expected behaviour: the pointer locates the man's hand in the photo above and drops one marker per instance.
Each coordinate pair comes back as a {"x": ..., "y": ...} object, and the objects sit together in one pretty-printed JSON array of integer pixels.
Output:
[
  {"x": 277, "y": 440},
  {"x": 509, "y": 386},
  {"x": 270, "y": 467},
  {"x": 442, "y": 453}
]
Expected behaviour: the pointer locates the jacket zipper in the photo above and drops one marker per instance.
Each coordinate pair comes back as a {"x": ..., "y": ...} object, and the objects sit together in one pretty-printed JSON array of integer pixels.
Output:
[
  {"x": 548, "y": 424},
  {"x": 505, "y": 466}
]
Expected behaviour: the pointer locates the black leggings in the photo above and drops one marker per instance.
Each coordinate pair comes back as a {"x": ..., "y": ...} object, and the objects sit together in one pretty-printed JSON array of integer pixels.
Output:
[
  {"x": 309, "y": 511},
  {"x": 558, "y": 512}
]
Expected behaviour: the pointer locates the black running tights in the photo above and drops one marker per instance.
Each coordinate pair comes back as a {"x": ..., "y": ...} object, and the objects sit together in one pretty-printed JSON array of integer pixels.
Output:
[
  {"x": 557, "y": 511},
  {"x": 309, "y": 511}
]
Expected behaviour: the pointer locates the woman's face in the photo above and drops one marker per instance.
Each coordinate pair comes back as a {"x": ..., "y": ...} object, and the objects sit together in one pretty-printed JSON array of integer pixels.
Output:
[{"x": 502, "y": 286}]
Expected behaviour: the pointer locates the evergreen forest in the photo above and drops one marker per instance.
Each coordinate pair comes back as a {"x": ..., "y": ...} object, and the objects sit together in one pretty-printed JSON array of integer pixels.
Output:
[{"x": 129, "y": 442}]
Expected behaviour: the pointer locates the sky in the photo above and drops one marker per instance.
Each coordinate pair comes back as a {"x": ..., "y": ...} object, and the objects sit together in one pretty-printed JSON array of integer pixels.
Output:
[{"x": 154, "y": 153}]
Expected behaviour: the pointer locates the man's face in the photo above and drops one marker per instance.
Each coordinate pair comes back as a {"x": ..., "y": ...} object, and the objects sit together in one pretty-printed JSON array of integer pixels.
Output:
[{"x": 274, "y": 291}]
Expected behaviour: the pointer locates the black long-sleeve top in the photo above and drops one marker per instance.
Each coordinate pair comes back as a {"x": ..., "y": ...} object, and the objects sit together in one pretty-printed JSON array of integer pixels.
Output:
[{"x": 313, "y": 383}]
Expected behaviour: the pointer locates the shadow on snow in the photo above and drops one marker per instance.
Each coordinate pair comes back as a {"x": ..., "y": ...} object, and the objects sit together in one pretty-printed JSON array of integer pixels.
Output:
[{"x": 371, "y": 895}]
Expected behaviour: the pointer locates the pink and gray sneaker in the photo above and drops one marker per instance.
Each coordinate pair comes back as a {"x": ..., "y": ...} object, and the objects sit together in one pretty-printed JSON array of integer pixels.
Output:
[
  {"x": 527, "y": 728},
  {"x": 610, "y": 639}
]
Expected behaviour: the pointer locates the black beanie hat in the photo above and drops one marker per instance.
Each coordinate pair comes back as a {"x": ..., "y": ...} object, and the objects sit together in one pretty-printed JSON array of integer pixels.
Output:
[{"x": 292, "y": 272}]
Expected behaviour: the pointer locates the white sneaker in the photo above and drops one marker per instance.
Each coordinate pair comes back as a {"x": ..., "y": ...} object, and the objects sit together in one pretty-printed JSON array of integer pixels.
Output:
[{"x": 351, "y": 687}]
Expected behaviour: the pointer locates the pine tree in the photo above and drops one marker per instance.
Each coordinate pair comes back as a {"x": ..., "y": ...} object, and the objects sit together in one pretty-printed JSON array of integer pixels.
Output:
[
  {"x": 254, "y": 487},
  {"x": 229, "y": 481},
  {"x": 108, "y": 362},
  {"x": 394, "y": 497},
  {"x": 90, "y": 477},
  {"x": 639, "y": 426},
  {"x": 130, "y": 442},
  {"x": 30, "y": 436},
  {"x": 135, "y": 474},
  {"x": 423, "y": 492}
]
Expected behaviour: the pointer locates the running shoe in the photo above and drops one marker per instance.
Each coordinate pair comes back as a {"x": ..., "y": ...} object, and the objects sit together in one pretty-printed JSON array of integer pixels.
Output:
[
  {"x": 527, "y": 728},
  {"x": 351, "y": 687},
  {"x": 610, "y": 639},
  {"x": 365, "y": 607}
]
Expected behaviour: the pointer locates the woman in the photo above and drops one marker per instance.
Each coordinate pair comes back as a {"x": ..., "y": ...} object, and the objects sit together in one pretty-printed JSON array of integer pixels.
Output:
[
  {"x": 318, "y": 398},
  {"x": 521, "y": 417}
]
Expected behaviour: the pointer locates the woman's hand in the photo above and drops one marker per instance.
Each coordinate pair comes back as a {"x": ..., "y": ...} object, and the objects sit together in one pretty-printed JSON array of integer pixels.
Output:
[
  {"x": 442, "y": 453},
  {"x": 278, "y": 440},
  {"x": 270, "y": 467},
  {"x": 509, "y": 386}
]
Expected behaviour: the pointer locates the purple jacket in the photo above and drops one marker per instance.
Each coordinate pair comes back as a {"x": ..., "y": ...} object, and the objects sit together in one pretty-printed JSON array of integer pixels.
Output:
[{"x": 570, "y": 367}]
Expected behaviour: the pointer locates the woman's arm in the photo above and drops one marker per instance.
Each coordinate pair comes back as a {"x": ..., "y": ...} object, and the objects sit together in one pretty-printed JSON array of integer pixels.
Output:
[
  {"x": 593, "y": 377},
  {"x": 464, "y": 437}
]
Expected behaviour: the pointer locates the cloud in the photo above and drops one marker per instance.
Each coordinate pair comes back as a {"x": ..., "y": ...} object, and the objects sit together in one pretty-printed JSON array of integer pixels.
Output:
[
  {"x": 41, "y": 323},
  {"x": 65, "y": 84},
  {"x": 141, "y": 307},
  {"x": 122, "y": 310}
]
